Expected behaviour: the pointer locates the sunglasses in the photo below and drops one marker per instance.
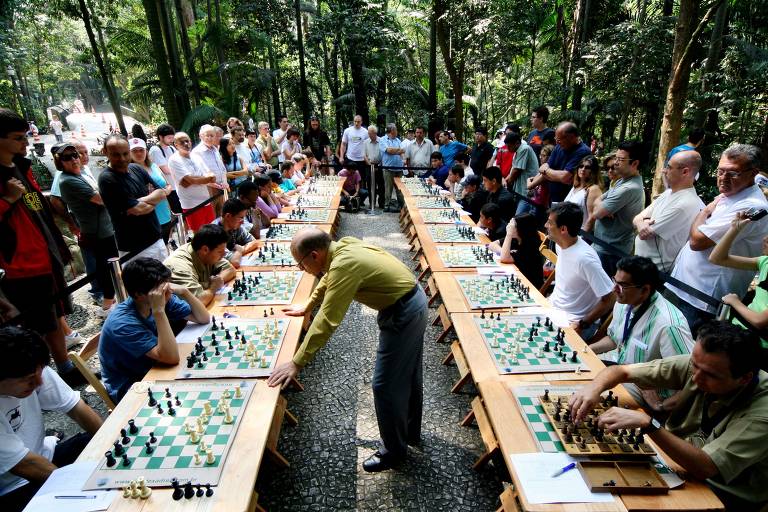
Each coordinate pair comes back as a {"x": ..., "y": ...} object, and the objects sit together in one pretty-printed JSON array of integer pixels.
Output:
[{"x": 68, "y": 156}]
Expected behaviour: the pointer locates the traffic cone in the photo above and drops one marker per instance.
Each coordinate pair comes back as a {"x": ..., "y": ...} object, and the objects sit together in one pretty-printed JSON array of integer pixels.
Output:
[
  {"x": 82, "y": 130},
  {"x": 93, "y": 110}
]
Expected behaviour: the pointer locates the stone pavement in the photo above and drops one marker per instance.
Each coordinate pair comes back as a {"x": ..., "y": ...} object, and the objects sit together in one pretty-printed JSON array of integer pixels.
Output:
[{"x": 337, "y": 427}]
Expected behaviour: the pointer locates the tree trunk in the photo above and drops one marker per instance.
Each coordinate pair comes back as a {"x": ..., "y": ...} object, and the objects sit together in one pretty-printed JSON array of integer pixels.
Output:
[
  {"x": 432, "y": 94},
  {"x": 111, "y": 94},
  {"x": 219, "y": 46},
  {"x": 187, "y": 51},
  {"x": 578, "y": 47},
  {"x": 177, "y": 74},
  {"x": 677, "y": 90},
  {"x": 302, "y": 67},
  {"x": 160, "y": 59},
  {"x": 706, "y": 113},
  {"x": 454, "y": 67},
  {"x": 275, "y": 82}
]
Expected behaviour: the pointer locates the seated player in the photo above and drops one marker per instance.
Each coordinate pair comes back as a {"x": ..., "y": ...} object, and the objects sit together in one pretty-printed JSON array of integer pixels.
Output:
[
  {"x": 521, "y": 247},
  {"x": 28, "y": 386},
  {"x": 248, "y": 193},
  {"x": 645, "y": 325},
  {"x": 474, "y": 196},
  {"x": 438, "y": 172},
  {"x": 286, "y": 185},
  {"x": 138, "y": 334},
  {"x": 240, "y": 241},
  {"x": 582, "y": 288},
  {"x": 497, "y": 193},
  {"x": 719, "y": 377},
  {"x": 351, "y": 187},
  {"x": 276, "y": 180},
  {"x": 199, "y": 266},
  {"x": 454, "y": 182},
  {"x": 267, "y": 203},
  {"x": 491, "y": 221}
]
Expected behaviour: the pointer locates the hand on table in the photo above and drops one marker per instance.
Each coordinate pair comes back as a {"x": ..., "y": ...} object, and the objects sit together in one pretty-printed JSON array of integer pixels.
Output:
[
  {"x": 617, "y": 418},
  {"x": 283, "y": 374},
  {"x": 216, "y": 283},
  {"x": 295, "y": 310}
]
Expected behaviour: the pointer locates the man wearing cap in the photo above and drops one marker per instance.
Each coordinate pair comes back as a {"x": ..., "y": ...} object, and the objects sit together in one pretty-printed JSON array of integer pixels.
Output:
[
  {"x": 664, "y": 225},
  {"x": 482, "y": 151},
  {"x": 351, "y": 269},
  {"x": 192, "y": 183},
  {"x": 525, "y": 165}
]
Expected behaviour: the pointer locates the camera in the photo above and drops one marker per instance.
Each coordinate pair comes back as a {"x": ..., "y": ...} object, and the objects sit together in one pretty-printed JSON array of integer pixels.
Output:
[{"x": 754, "y": 214}]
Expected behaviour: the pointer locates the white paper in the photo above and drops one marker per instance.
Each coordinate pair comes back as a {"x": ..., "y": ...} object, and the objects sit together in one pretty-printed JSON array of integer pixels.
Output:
[
  {"x": 191, "y": 332},
  {"x": 67, "y": 481},
  {"x": 283, "y": 215},
  {"x": 559, "y": 317},
  {"x": 535, "y": 470}
]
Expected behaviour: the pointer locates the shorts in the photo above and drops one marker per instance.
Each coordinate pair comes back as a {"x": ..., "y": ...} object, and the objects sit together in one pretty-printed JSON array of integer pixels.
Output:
[
  {"x": 201, "y": 217},
  {"x": 37, "y": 301}
]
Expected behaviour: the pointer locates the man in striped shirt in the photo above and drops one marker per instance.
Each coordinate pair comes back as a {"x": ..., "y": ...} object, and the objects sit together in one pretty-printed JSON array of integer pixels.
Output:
[{"x": 645, "y": 325}]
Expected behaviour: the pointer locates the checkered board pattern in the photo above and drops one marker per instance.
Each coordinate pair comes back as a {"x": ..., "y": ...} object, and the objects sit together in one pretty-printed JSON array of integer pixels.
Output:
[
  {"x": 465, "y": 256},
  {"x": 321, "y": 178},
  {"x": 527, "y": 398},
  {"x": 460, "y": 234},
  {"x": 276, "y": 287},
  {"x": 315, "y": 201},
  {"x": 303, "y": 215},
  {"x": 440, "y": 216},
  {"x": 433, "y": 202},
  {"x": 514, "y": 350},
  {"x": 494, "y": 292},
  {"x": 271, "y": 255},
  {"x": 173, "y": 454},
  {"x": 421, "y": 188},
  {"x": 283, "y": 232},
  {"x": 256, "y": 357}
]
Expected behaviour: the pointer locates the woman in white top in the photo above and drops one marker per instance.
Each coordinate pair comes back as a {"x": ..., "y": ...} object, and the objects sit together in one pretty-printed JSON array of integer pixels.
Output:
[{"x": 587, "y": 187}]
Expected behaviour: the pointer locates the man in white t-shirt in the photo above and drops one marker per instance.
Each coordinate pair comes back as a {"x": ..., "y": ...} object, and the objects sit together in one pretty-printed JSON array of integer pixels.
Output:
[
  {"x": 28, "y": 386},
  {"x": 352, "y": 149},
  {"x": 57, "y": 127},
  {"x": 663, "y": 227},
  {"x": 736, "y": 173},
  {"x": 279, "y": 133},
  {"x": 582, "y": 288},
  {"x": 193, "y": 182},
  {"x": 159, "y": 155}
]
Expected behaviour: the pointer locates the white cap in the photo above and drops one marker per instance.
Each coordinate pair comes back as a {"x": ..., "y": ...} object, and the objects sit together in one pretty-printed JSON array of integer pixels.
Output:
[{"x": 136, "y": 142}]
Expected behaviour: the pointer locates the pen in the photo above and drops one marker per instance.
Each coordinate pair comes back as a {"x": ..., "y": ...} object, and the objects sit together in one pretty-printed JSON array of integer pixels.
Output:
[
  {"x": 563, "y": 470},
  {"x": 82, "y": 497}
]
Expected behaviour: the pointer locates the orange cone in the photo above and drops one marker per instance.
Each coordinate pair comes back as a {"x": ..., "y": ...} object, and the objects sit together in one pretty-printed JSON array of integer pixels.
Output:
[{"x": 82, "y": 130}]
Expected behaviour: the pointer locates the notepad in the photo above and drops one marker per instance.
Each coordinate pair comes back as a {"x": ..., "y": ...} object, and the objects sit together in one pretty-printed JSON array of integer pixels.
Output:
[{"x": 61, "y": 492}]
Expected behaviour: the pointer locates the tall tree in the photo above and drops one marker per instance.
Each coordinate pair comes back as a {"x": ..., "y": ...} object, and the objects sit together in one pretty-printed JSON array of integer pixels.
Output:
[{"x": 303, "y": 91}]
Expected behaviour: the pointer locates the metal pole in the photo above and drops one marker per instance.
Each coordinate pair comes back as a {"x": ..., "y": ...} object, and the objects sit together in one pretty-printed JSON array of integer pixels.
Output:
[
  {"x": 181, "y": 229},
  {"x": 373, "y": 191},
  {"x": 723, "y": 312},
  {"x": 117, "y": 281}
]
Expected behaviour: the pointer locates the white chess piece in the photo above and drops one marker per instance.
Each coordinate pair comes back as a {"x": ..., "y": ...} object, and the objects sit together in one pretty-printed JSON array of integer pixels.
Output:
[
  {"x": 198, "y": 460},
  {"x": 228, "y": 418},
  {"x": 238, "y": 392},
  {"x": 194, "y": 437},
  {"x": 209, "y": 458}
]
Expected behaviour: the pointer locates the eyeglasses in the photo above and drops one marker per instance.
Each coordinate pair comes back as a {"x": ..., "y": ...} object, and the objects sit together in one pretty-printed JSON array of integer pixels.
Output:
[
  {"x": 300, "y": 264},
  {"x": 623, "y": 286},
  {"x": 585, "y": 166},
  {"x": 618, "y": 160},
  {"x": 69, "y": 156},
  {"x": 731, "y": 175},
  {"x": 184, "y": 142}
]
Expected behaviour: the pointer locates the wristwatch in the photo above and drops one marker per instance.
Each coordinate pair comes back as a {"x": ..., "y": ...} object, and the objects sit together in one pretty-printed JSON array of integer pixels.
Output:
[{"x": 652, "y": 427}]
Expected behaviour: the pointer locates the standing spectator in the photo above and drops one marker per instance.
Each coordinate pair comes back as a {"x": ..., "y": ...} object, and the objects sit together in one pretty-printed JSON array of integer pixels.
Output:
[
  {"x": 616, "y": 208},
  {"x": 237, "y": 134},
  {"x": 352, "y": 149},
  {"x": 267, "y": 145},
  {"x": 540, "y": 134},
  {"x": 250, "y": 152},
  {"x": 240, "y": 242},
  {"x": 81, "y": 193},
  {"x": 558, "y": 172},
  {"x": 290, "y": 145},
  {"x": 57, "y": 128},
  {"x": 130, "y": 196},
  {"x": 206, "y": 154},
  {"x": 695, "y": 140},
  {"x": 410, "y": 134},
  {"x": 450, "y": 148},
  {"x": 609, "y": 170},
  {"x": 503, "y": 158},
  {"x": 497, "y": 194},
  {"x": 419, "y": 151},
  {"x": 192, "y": 183},
  {"x": 162, "y": 209},
  {"x": 233, "y": 123},
  {"x": 587, "y": 188},
  {"x": 351, "y": 188},
  {"x": 663, "y": 227},
  {"x": 33, "y": 253},
  {"x": 391, "y": 156},
  {"x": 482, "y": 151},
  {"x": 280, "y": 133},
  {"x": 159, "y": 155},
  {"x": 582, "y": 288},
  {"x": 525, "y": 165},
  {"x": 317, "y": 139},
  {"x": 372, "y": 156},
  {"x": 538, "y": 194},
  {"x": 736, "y": 182},
  {"x": 237, "y": 170},
  {"x": 438, "y": 172},
  {"x": 521, "y": 247}
]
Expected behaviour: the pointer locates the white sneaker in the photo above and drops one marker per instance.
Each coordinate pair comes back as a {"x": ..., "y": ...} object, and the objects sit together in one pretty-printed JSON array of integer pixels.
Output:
[
  {"x": 73, "y": 339},
  {"x": 104, "y": 313}
]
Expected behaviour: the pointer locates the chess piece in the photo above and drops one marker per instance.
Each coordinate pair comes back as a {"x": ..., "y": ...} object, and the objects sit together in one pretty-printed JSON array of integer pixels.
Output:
[
  {"x": 126, "y": 460},
  {"x": 573, "y": 357},
  {"x": 177, "y": 492},
  {"x": 238, "y": 392},
  {"x": 546, "y": 395},
  {"x": 197, "y": 460},
  {"x": 152, "y": 438},
  {"x": 228, "y": 418},
  {"x": 209, "y": 457},
  {"x": 194, "y": 437},
  {"x": 127, "y": 491},
  {"x": 124, "y": 436},
  {"x": 119, "y": 450},
  {"x": 208, "y": 491},
  {"x": 144, "y": 491},
  {"x": 207, "y": 407},
  {"x": 189, "y": 492},
  {"x": 110, "y": 458},
  {"x": 199, "y": 493},
  {"x": 149, "y": 449},
  {"x": 152, "y": 401},
  {"x": 214, "y": 326},
  {"x": 171, "y": 410},
  {"x": 167, "y": 393},
  {"x": 135, "y": 492},
  {"x": 177, "y": 401}
]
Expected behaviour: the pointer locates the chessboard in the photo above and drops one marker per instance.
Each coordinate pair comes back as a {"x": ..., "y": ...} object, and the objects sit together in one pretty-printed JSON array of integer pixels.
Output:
[
  {"x": 271, "y": 255},
  {"x": 242, "y": 348},
  {"x": 527, "y": 398},
  {"x": 301, "y": 214},
  {"x": 586, "y": 438},
  {"x": 283, "y": 232},
  {"x": 440, "y": 216},
  {"x": 421, "y": 188},
  {"x": 183, "y": 431},
  {"x": 433, "y": 202},
  {"x": 494, "y": 292},
  {"x": 315, "y": 201},
  {"x": 260, "y": 288},
  {"x": 466, "y": 256},
  {"x": 456, "y": 233},
  {"x": 523, "y": 343}
]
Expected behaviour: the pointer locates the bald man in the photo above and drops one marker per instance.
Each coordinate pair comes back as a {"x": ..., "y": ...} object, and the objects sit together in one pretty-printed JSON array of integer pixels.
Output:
[
  {"x": 663, "y": 226},
  {"x": 351, "y": 269}
]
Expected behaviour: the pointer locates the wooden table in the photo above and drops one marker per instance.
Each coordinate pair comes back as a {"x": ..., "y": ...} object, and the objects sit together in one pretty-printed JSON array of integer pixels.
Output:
[
  {"x": 422, "y": 231},
  {"x": 331, "y": 216},
  {"x": 335, "y": 199},
  {"x": 449, "y": 290},
  {"x": 435, "y": 262},
  {"x": 513, "y": 436}
]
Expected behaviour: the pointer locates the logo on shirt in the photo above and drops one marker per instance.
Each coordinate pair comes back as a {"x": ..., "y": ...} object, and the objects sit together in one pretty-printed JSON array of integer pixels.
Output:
[
  {"x": 14, "y": 418},
  {"x": 32, "y": 200}
]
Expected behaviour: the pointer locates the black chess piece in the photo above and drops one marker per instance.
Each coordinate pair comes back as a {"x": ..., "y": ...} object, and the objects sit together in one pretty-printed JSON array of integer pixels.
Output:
[
  {"x": 546, "y": 346},
  {"x": 214, "y": 326},
  {"x": 216, "y": 352},
  {"x": 177, "y": 492},
  {"x": 132, "y": 428},
  {"x": 189, "y": 492},
  {"x": 126, "y": 460},
  {"x": 124, "y": 435},
  {"x": 159, "y": 409},
  {"x": 119, "y": 450},
  {"x": 564, "y": 358},
  {"x": 110, "y": 459},
  {"x": 205, "y": 356},
  {"x": 199, "y": 363},
  {"x": 152, "y": 438},
  {"x": 190, "y": 363},
  {"x": 171, "y": 410},
  {"x": 149, "y": 449},
  {"x": 208, "y": 491},
  {"x": 229, "y": 345},
  {"x": 546, "y": 395},
  {"x": 167, "y": 393},
  {"x": 573, "y": 357},
  {"x": 199, "y": 493},
  {"x": 176, "y": 400},
  {"x": 152, "y": 401},
  {"x": 482, "y": 313}
]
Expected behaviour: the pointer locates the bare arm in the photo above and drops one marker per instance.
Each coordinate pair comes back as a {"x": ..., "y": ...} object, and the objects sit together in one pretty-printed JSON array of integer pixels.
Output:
[
  {"x": 698, "y": 240},
  {"x": 33, "y": 467},
  {"x": 166, "y": 351},
  {"x": 555, "y": 175},
  {"x": 601, "y": 308},
  {"x": 721, "y": 253},
  {"x": 200, "y": 314},
  {"x": 155, "y": 197},
  {"x": 96, "y": 199},
  {"x": 86, "y": 417},
  {"x": 197, "y": 180},
  {"x": 141, "y": 209},
  {"x": 606, "y": 344},
  {"x": 758, "y": 319}
]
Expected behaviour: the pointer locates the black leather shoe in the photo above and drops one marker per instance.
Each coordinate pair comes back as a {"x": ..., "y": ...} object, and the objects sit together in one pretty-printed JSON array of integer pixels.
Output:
[
  {"x": 414, "y": 442},
  {"x": 377, "y": 462}
]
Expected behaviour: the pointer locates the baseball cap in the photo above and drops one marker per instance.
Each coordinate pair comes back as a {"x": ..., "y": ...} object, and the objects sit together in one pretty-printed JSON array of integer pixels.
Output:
[
  {"x": 61, "y": 146},
  {"x": 136, "y": 142},
  {"x": 472, "y": 179}
]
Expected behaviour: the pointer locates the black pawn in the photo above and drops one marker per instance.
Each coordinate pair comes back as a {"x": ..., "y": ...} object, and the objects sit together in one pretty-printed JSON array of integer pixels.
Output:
[
  {"x": 152, "y": 401},
  {"x": 171, "y": 410},
  {"x": 546, "y": 346},
  {"x": 564, "y": 358},
  {"x": 265, "y": 313},
  {"x": 573, "y": 357},
  {"x": 199, "y": 493},
  {"x": 216, "y": 352},
  {"x": 152, "y": 438},
  {"x": 149, "y": 447},
  {"x": 110, "y": 459},
  {"x": 482, "y": 313},
  {"x": 132, "y": 428},
  {"x": 125, "y": 437},
  {"x": 167, "y": 393},
  {"x": 177, "y": 401},
  {"x": 229, "y": 345},
  {"x": 118, "y": 449},
  {"x": 205, "y": 356},
  {"x": 214, "y": 326},
  {"x": 188, "y": 490},
  {"x": 126, "y": 460},
  {"x": 159, "y": 409},
  {"x": 208, "y": 491},
  {"x": 177, "y": 492}
]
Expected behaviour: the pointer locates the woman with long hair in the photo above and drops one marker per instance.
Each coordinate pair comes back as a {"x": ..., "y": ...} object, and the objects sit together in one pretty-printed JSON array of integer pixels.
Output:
[
  {"x": 140, "y": 156},
  {"x": 587, "y": 186},
  {"x": 237, "y": 170},
  {"x": 521, "y": 247}
]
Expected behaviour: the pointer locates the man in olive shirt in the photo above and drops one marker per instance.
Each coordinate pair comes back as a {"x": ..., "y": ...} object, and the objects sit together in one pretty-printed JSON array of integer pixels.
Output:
[
  {"x": 351, "y": 269},
  {"x": 717, "y": 428},
  {"x": 199, "y": 265}
]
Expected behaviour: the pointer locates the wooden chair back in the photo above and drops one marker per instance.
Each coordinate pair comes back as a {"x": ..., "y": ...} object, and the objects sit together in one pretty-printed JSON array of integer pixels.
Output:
[
  {"x": 551, "y": 257},
  {"x": 80, "y": 360}
]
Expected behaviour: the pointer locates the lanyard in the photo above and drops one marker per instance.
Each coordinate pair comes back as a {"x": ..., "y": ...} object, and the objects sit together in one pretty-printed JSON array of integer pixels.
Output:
[{"x": 630, "y": 324}]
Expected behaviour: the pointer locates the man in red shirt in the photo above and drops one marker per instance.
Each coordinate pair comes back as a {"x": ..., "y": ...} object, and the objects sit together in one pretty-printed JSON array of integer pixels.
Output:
[{"x": 32, "y": 251}]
